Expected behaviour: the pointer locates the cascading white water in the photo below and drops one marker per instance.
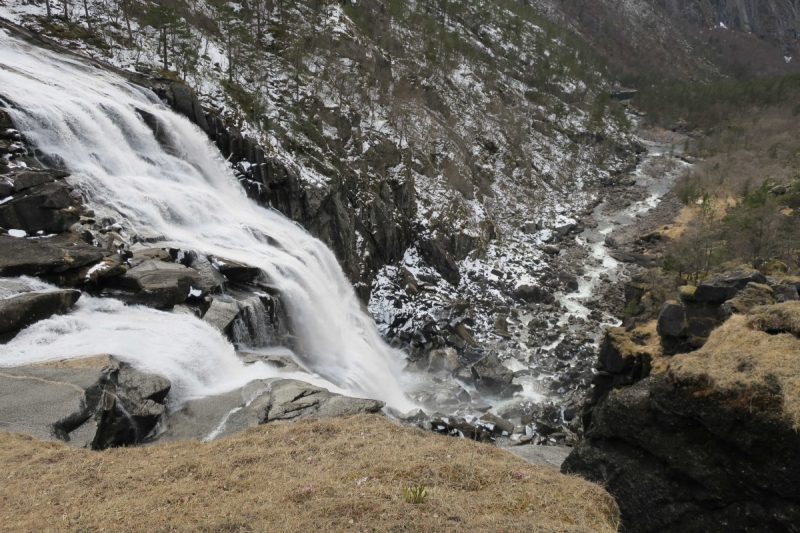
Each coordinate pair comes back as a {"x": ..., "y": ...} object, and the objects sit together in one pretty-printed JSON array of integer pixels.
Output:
[{"x": 86, "y": 118}]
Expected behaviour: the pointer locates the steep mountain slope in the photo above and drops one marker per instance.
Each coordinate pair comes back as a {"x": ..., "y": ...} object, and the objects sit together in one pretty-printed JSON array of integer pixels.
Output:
[
  {"x": 690, "y": 39},
  {"x": 437, "y": 148}
]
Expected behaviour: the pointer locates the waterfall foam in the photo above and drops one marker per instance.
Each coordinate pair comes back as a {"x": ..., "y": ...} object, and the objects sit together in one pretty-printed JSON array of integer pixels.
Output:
[{"x": 90, "y": 121}]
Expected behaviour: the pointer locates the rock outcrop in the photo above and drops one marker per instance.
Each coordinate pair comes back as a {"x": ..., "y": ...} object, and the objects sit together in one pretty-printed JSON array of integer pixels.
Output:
[
  {"x": 20, "y": 311},
  {"x": 96, "y": 402},
  {"x": 709, "y": 444},
  {"x": 686, "y": 323},
  {"x": 50, "y": 259},
  {"x": 260, "y": 402},
  {"x": 38, "y": 201}
]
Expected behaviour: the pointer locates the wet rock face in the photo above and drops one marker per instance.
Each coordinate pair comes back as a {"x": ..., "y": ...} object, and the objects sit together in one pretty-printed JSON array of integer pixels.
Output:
[
  {"x": 49, "y": 258},
  {"x": 39, "y": 203},
  {"x": 676, "y": 461},
  {"x": 160, "y": 284},
  {"x": 23, "y": 310},
  {"x": 366, "y": 224}
]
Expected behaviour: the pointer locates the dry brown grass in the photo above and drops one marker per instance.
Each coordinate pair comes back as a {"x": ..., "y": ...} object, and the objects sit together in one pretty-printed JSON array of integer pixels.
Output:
[
  {"x": 747, "y": 367},
  {"x": 642, "y": 343},
  {"x": 333, "y": 475},
  {"x": 777, "y": 318}
]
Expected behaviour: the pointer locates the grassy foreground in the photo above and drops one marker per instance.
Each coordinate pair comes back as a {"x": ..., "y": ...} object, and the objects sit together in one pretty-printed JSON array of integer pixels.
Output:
[{"x": 331, "y": 475}]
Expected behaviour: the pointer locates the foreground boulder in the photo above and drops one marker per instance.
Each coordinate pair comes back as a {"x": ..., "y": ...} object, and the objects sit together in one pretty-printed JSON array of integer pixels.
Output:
[
  {"x": 46, "y": 258},
  {"x": 160, "y": 284},
  {"x": 260, "y": 402},
  {"x": 96, "y": 402},
  {"x": 40, "y": 201},
  {"x": 23, "y": 310},
  {"x": 712, "y": 443}
]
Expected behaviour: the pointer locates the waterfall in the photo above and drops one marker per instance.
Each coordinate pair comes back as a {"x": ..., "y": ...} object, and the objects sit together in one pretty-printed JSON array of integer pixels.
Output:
[
  {"x": 90, "y": 122},
  {"x": 258, "y": 327}
]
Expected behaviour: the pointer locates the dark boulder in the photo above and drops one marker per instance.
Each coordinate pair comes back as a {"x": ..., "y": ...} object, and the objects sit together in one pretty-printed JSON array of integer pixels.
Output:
[
  {"x": 723, "y": 288},
  {"x": 565, "y": 229},
  {"x": 35, "y": 257},
  {"x": 496, "y": 424},
  {"x": 235, "y": 271},
  {"x": 48, "y": 207},
  {"x": 785, "y": 292},
  {"x": 532, "y": 294},
  {"x": 160, "y": 284},
  {"x": 437, "y": 251},
  {"x": 551, "y": 249},
  {"x": 491, "y": 376},
  {"x": 672, "y": 320},
  {"x": 23, "y": 310},
  {"x": 29, "y": 178},
  {"x": 643, "y": 260}
]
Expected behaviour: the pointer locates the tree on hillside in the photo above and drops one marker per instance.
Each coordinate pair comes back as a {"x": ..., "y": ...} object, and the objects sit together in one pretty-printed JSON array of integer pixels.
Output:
[
  {"x": 164, "y": 20},
  {"x": 238, "y": 41}
]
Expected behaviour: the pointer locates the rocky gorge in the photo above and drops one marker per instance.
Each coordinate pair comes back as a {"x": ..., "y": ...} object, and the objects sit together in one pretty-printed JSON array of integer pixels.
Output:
[
  {"x": 235, "y": 299},
  {"x": 169, "y": 273}
]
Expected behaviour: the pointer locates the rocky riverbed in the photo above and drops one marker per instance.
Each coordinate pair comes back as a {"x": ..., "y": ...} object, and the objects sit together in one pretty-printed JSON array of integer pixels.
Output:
[{"x": 538, "y": 348}]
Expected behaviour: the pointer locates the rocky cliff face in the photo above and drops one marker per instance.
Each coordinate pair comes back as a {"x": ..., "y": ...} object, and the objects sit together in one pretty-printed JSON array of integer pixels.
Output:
[
  {"x": 775, "y": 21},
  {"x": 678, "y": 460},
  {"x": 691, "y": 39},
  {"x": 704, "y": 440}
]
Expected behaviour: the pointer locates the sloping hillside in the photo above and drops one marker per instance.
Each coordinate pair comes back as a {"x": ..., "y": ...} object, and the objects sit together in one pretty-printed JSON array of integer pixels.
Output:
[{"x": 689, "y": 39}]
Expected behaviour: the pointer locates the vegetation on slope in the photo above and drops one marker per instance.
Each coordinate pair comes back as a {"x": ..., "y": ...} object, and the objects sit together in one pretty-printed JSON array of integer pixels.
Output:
[
  {"x": 743, "y": 194},
  {"x": 333, "y": 475}
]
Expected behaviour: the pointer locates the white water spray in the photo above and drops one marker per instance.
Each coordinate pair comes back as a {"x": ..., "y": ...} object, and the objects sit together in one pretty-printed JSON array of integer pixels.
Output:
[{"x": 86, "y": 118}]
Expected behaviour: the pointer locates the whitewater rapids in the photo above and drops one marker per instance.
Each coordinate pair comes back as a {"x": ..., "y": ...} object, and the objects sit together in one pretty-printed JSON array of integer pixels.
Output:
[{"x": 86, "y": 119}]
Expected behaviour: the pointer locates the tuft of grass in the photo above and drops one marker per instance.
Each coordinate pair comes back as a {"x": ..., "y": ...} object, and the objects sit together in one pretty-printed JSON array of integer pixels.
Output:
[
  {"x": 344, "y": 474},
  {"x": 415, "y": 494}
]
